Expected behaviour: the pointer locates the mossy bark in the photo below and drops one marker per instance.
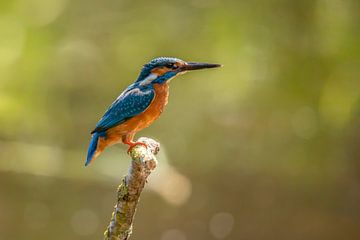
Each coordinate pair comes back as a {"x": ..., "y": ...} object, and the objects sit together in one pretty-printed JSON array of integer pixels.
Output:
[{"x": 128, "y": 193}]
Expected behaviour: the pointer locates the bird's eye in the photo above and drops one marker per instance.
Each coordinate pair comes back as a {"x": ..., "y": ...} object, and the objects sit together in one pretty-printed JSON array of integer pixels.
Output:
[{"x": 169, "y": 65}]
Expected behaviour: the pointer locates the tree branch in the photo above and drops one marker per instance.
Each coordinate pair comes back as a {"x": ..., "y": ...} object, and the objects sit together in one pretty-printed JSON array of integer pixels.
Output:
[{"x": 128, "y": 193}]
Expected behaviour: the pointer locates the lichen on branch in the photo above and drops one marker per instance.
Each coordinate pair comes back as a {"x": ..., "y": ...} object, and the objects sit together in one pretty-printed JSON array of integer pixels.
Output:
[{"x": 142, "y": 164}]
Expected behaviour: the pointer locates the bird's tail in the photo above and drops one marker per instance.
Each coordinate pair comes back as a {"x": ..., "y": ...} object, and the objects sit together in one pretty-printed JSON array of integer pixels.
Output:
[{"x": 92, "y": 153}]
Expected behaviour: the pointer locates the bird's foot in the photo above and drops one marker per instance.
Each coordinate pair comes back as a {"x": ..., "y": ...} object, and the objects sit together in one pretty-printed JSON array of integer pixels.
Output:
[{"x": 133, "y": 144}]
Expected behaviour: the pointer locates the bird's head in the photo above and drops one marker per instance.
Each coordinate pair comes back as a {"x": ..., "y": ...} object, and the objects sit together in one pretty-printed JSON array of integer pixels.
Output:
[{"x": 162, "y": 69}]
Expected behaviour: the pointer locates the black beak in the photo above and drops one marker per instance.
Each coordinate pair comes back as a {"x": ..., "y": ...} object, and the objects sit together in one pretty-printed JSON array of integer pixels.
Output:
[{"x": 196, "y": 66}]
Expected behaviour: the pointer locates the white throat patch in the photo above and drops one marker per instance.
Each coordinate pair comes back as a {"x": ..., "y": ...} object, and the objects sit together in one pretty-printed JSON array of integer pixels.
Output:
[{"x": 148, "y": 79}]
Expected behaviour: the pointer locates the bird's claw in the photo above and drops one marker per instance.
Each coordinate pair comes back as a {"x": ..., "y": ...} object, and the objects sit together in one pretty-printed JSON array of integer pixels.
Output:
[{"x": 134, "y": 144}]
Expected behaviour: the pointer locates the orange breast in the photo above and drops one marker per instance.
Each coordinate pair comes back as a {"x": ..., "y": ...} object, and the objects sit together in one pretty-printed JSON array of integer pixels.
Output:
[{"x": 144, "y": 119}]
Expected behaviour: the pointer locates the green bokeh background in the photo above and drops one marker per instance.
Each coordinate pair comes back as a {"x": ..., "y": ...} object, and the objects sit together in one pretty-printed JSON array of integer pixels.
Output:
[{"x": 265, "y": 148}]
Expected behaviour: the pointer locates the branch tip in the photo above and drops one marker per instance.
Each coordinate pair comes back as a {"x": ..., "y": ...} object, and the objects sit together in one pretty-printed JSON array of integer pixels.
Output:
[{"x": 128, "y": 193}]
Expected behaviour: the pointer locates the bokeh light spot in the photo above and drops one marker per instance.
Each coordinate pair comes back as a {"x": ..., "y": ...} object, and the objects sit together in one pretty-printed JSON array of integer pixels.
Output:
[
  {"x": 174, "y": 187},
  {"x": 221, "y": 225},
  {"x": 40, "y": 12},
  {"x": 85, "y": 222},
  {"x": 173, "y": 234},
  {"x": 11, "y": 41}
]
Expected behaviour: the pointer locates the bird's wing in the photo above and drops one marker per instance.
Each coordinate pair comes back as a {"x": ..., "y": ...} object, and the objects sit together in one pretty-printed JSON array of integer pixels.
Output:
[{"x": 129, "y": 104}]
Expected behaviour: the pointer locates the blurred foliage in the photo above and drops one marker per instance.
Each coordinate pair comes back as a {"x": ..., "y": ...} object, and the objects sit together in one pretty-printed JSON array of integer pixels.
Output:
[{"x": 265, "y": 148}]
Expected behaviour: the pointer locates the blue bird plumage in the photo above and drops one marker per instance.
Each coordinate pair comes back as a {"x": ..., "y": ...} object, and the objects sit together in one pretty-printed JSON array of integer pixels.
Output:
[
  {"x": 157, "y": 62},
  {"x": 139, "y": 105},
  {"x": 133, "y": 101},
  {"x": 93, "y": 146}
]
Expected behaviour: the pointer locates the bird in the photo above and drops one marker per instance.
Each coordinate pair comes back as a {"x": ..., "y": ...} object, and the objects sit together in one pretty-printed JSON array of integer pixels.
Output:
[{"x": 139, "y": 105}]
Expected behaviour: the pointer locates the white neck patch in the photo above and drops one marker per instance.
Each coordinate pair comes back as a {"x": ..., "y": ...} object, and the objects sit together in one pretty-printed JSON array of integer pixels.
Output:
[{"x": 148, "y": 79}]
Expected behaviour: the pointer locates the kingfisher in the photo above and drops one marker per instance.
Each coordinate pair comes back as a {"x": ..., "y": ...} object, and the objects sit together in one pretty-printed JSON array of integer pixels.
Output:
[{"x": 139, "y": 105}]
